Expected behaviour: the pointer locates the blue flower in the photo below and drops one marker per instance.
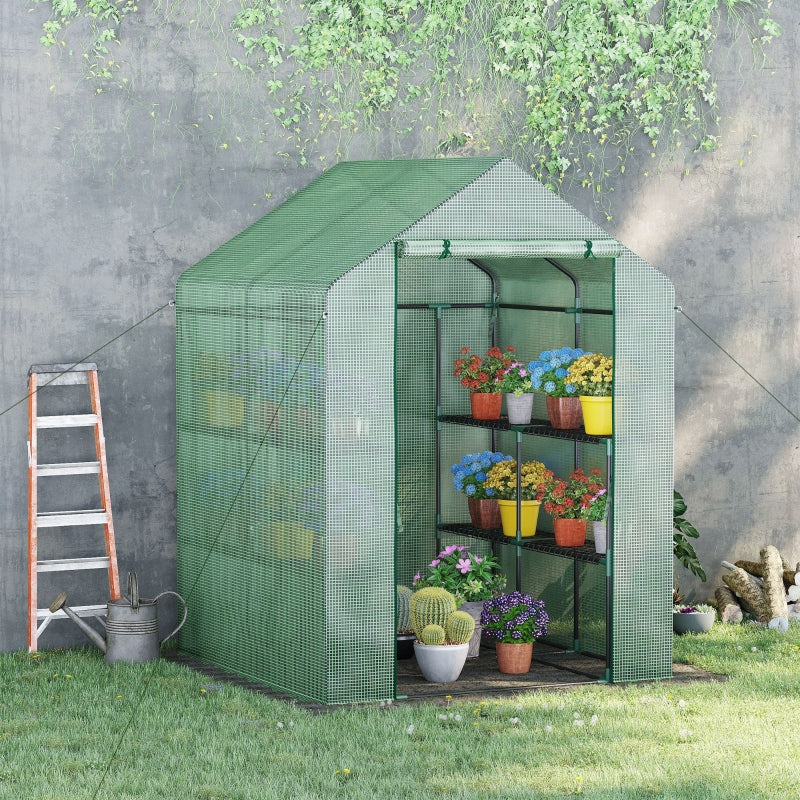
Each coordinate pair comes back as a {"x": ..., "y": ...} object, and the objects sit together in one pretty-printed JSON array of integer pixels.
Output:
[
  {"x": 550, "y": 386},
  {"x": 545, "y": 356},
  {"x": 489, "y": 492},
  {"x": 570, "y": 388},
  {"x": 471, "y": 489},
  {"x": 561, "y": 373},
  {"x": 554, "y": 362},
  {"x": 466, "y": 459},
  {"x": 480, "y": 476}
]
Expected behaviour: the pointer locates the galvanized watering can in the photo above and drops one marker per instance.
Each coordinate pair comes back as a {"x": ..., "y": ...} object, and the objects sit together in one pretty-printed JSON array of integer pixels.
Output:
[{"x": 131, "y": 625}]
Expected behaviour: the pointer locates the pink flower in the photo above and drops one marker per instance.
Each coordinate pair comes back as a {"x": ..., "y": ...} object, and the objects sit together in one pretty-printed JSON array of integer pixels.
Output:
[
  {"x": 417, "y": 578},
  {"x": 465, "y": 565},
  {"x": 434, "y": 563}
]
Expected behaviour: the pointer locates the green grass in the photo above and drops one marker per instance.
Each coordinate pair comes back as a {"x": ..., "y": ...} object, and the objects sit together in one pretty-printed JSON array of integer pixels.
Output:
[{"x": 62, "y": 715}]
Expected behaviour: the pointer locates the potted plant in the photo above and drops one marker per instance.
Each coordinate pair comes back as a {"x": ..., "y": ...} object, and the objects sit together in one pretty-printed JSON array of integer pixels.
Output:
[
  {"x": 469, "y": 578},
  {"x": 469, "y": 476},
  {"x": 502, "y": 479},
  {"x": 443, "y": 634},
  {"x": 593, "y": 375},
  {"x": 405, "y": 633},
  {"x": 549, "y": 376},
  {"x": 569, "y": 503},
  {"x": 693, "y": 619},
  {"x": 478, "y": 374},
  {"x": 598, "y": 515},
  {"x": 514, "y": 620},
  {"x": 515, "y": 382}
]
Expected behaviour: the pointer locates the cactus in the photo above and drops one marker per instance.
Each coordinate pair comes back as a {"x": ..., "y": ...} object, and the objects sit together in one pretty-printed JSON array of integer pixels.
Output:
[
  {"x": 460, "y": 626},
  {"x": 430, "y": 606},
  {"x": 432, "y": 634},
  {"x": 403, "y": 600}
]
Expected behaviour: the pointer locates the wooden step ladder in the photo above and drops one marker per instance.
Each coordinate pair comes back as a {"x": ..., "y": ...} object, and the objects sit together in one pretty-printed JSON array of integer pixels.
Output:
[{"x": 40, "y": 375}]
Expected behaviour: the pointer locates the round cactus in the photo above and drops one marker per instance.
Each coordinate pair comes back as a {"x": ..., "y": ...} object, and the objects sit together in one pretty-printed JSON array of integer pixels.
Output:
[
  {"x": 460, "y": 626},
  {"x": 432, "y": 634},
  {"x": 403, "y": 600},
  {"x": 430, "y": 605}
]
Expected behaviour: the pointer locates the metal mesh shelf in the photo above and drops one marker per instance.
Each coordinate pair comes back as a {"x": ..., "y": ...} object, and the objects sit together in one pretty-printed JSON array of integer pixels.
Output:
[
  {"x": 542, "y": 542},
  {"x": 538, "y": 427}
]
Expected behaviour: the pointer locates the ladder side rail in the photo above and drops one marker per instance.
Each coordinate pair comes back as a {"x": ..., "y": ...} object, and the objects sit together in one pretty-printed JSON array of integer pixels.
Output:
[
  {"x": 105, "y": 492},
  {"x": 33, "y": 510}
]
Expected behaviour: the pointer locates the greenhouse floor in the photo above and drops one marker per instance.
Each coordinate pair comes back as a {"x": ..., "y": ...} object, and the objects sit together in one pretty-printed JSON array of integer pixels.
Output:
[{"x": 551, "y": 669}]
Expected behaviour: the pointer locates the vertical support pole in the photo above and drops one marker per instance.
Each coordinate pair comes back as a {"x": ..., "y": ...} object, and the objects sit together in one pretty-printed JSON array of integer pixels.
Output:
[
  {"x": 609, "y": 562},
  {"x": 576, "y": 606},
  {"x": 519, "y": 514},
  {"x": 438, "y": 429},
  {"x": 33, "y": 510}
]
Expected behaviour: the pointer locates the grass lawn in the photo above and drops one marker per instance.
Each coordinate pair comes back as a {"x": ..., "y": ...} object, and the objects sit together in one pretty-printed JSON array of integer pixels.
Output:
[{"x": 63, "y": 714}]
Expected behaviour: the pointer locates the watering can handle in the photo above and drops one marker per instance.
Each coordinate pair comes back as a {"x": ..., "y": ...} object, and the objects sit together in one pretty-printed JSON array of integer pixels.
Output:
[
  {"x": 133, "y": 590},
  {"x": 180, "y": 624}
]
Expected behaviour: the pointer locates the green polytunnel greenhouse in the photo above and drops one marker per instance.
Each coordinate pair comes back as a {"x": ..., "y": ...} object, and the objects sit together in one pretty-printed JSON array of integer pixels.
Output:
[{"x": 318, "y": 418}]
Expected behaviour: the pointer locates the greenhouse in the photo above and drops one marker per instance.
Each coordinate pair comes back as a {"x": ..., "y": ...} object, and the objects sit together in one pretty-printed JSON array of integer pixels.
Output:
[{"x": 318, "y": 418}]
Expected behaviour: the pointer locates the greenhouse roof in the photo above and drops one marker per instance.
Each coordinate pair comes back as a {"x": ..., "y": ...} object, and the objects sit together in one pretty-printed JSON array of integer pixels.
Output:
[{"x": 338, "y": 220}]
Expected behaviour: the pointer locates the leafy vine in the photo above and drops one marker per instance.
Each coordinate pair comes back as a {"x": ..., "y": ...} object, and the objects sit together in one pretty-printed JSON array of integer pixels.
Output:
[{"x": 570, "y": 87}]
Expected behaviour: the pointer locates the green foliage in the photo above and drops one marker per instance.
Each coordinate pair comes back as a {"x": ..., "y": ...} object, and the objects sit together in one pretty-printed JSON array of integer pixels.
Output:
[
  {"x": 430, "y": 605},
  {"x": 570, "y": 87},
  {"x": 460, "y": 627},
  {"x": 683, "y": 531},
  {"x": 432, "y": 635}
]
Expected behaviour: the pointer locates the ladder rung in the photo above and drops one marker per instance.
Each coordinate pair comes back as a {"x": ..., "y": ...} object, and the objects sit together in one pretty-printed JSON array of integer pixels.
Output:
[
  {"x": 81, "y": 611},
  {"x": 61, "y": 519},
  {"x": 77, "y": 468},
  {"x": 68, "y": 564},
  {"x": 63, "y": 374},
  {"x": 67, "y": 421}
]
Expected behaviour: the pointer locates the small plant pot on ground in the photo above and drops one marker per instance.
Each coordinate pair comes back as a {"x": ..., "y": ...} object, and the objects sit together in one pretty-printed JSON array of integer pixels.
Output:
[
  {"x": 441, "y": 663},
  {"x": 693, "y": 622}
]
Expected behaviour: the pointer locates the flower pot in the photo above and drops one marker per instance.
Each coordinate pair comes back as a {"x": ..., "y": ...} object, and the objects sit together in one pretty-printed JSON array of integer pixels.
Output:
[
  {"x": 694, "y": 622},
  {"x": 564, "y": 412},
  {"x": 405, "y": 645},
  {"x": 569, "y": 532},
  {"x": 223, "y": 409},
  {"x": 484, "y": 513},
  {"x": 600, "y": 534},
  {"x": 529, "y": 516},
  {"x": 288, "y": 540},
  {"x": 486, "y": 405},
  {"x": 441, "y": 663},
  {"x": 514, "y": 658},
  {"x": 520, "y": 408},
  {"x": 597, "y": 415},
  {"x": 474, "y": 608}
]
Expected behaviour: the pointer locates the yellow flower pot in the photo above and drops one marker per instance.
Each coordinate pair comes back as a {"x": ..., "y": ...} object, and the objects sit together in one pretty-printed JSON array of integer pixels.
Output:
[
  {"x": 529, "y": 516},
  {"x": 597, "y": 415}
]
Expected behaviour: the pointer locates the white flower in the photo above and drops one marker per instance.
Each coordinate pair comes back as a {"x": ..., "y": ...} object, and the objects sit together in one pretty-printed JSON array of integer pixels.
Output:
[
  {"x": 753, "y": 649},
  {"x": 280, "y": 725},
  {"x": 410, "y": 730},
  {"x": 576, "y": 715},
  {"x": 593, "y": 720},
  {"x": 457, "y": 717},
  {"x": 578, "y": 722},
  {"x": 682, "y": 703},
  {"x": 383, "y": 704},
  {"x": 443, "y": 716},
  {"x": 291, "y": 723},
  {"x": 548, "y": 728},
  {"x": 514, "y": 720},
  {"x": 684, "y": 733},
  {"x": 519, "y": 706}
]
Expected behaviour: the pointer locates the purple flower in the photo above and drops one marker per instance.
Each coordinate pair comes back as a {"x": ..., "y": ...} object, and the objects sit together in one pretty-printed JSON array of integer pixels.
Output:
[
  {"x": 434, "y": 563},
  {"x": 465, "y": 565}
]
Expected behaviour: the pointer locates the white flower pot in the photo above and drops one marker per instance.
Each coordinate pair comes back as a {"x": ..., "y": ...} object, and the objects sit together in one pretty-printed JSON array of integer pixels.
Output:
[
  {"x": 441, "y": 663},
  {"x": 474, "y": 608},
  {"x": 519, "y": 408},
  {"x": 600, "y": 534},
  {"x": 694, "y": 622}
]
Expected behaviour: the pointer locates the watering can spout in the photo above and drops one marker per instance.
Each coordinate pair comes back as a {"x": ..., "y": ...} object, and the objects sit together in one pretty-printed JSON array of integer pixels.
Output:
[{"x": 60, "y": 604}]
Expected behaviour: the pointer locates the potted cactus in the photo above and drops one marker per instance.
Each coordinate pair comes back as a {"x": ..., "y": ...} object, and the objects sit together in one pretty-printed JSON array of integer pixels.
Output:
[
  {"x": 442, "y": 633},
  {"x": 405, "y": 633}
]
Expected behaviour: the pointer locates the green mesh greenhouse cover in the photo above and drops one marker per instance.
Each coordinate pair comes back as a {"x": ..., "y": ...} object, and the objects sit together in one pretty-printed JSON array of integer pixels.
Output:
[{"x": 314, "y": 358}]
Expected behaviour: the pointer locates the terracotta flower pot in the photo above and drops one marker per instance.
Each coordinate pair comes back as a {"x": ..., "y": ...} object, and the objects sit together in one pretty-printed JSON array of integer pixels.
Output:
[
  {"x": 514, "y": 658},
  {"x": 569, "y": 532},
  {"x": 565, "y": 413},
  {"x": 486, "y": 405},
  {"x": 484, "y": 513}
]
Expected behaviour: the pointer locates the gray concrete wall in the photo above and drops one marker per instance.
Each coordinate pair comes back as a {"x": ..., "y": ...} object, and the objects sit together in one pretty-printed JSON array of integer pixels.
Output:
[{"x": 107, "y": 196}]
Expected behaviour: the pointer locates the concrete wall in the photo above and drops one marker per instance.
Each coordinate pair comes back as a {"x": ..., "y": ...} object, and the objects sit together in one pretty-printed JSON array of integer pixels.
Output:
[{"x": 107, "y": 196}]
